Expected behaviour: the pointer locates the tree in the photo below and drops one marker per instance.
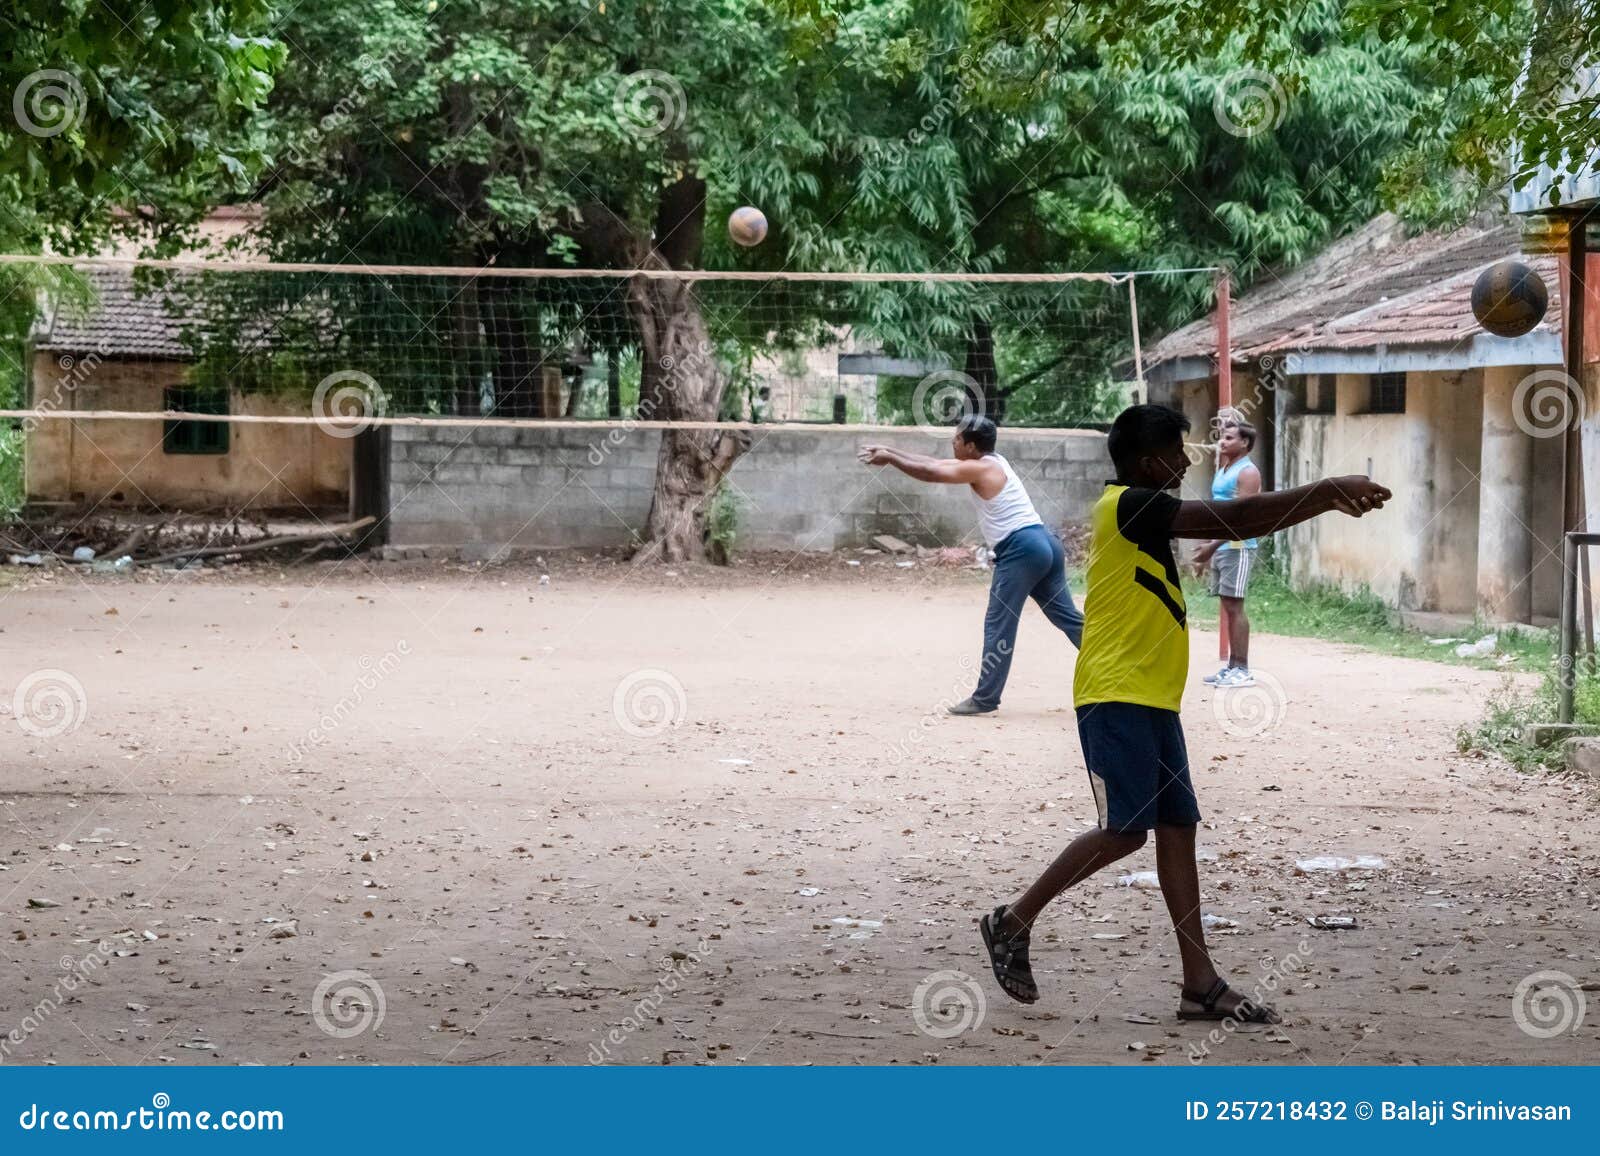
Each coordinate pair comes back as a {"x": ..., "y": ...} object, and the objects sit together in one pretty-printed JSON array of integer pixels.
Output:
[
  {"x": 1500, "y": 74},
  {"x": 1076, "y": 156},
  {"x": 107, "y": 95},
  {"x": 106, "y": 102},
  {"x": 895, "y": 137},
  {"x": 543, "y": 132}
]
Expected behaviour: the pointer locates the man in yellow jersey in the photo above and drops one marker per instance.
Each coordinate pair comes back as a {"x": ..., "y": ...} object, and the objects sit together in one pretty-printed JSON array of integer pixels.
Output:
[{"x": 1128, "y": 686}]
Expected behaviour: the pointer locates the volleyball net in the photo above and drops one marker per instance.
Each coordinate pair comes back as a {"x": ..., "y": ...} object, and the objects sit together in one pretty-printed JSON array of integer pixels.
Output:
[{"x": 352, "y": 346}]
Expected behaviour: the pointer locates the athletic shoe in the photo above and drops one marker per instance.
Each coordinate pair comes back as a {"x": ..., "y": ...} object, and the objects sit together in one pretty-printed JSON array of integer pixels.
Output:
[
  {"x": 967, "y": 706},
  {"x": 1213, "y": 679},
  {"x": 1235, "y": 676}
]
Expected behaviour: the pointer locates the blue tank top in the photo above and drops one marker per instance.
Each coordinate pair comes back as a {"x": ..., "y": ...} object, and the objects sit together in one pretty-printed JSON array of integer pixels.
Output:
[{"x": 1225, "y": 488}]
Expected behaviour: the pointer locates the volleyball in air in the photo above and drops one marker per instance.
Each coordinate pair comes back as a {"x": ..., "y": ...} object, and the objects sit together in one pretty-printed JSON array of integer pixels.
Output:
[{"x": 747, "y": 225}]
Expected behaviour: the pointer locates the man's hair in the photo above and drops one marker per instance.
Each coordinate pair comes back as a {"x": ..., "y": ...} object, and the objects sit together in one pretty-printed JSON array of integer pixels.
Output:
[
  {"x": 1246, "y": 431},
  {"x": 1142, "y": 429},
  {"x": 977, "y": 430}
]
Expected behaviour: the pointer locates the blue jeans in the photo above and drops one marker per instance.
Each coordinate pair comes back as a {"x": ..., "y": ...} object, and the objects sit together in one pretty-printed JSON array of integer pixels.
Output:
[{"x": 1029, "y": 563}]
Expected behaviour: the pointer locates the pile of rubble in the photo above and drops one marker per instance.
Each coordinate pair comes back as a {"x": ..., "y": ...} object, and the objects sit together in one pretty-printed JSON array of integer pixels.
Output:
[{"x": 121, "y": 543}]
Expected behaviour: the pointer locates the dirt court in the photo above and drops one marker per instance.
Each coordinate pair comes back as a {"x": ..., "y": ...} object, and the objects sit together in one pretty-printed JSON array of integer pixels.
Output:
[{"x": 429, "y": 814}]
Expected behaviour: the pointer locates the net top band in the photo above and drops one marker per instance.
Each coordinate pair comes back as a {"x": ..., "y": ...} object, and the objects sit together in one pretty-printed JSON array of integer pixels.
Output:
[{"x": 202, "y": 265}]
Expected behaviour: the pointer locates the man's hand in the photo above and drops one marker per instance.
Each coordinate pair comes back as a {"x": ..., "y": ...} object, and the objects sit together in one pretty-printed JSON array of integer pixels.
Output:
[
  {"x": 1202, "y": 559},
  {"x": 1356, "y": 494},
  {"x": 874, "y": 455}
]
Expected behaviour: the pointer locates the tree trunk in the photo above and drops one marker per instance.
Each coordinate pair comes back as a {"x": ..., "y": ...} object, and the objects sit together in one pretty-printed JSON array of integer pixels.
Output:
[
  {"x": 574, "y": 393},
  {"x": 518, "y": 390},
  {"x": 468, "y": 399},
  {"x": 681, "y": 380},
  {"x": 680, "y": 377},
  {"x": 984, "y": 395},
  {"x": 614, "y": 383},
  {"x": 689, "y": 468}
]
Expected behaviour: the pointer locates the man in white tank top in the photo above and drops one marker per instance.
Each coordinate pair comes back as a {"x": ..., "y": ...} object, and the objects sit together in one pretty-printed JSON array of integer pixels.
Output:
[{"x": 1028, "y": 559}]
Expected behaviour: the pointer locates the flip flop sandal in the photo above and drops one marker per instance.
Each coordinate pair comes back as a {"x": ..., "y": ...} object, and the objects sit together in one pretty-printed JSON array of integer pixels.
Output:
[
  {"x": 1245, "y": 1011},
  {"x": 1008, "y": 957}
]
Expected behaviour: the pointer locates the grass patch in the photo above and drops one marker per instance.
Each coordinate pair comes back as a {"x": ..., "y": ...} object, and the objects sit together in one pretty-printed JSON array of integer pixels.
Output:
[
  {"x": 1363, "y": 619},
  {"x": 11, "y": 483},
  {"x": 1510, "y": 711},
  {"x": 722, "y": 523}
]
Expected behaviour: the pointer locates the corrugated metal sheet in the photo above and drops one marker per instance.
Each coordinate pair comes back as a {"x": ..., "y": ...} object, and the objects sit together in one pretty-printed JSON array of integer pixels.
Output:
[{"x": 1377, "y": 286}]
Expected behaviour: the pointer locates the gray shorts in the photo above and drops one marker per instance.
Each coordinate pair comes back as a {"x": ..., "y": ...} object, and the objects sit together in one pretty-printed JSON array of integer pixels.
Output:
[{"x": 1230, "y": 571}]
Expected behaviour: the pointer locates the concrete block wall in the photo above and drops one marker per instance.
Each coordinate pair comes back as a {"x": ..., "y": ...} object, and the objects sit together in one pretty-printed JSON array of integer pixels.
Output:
[{"x": 549, "y": 486}]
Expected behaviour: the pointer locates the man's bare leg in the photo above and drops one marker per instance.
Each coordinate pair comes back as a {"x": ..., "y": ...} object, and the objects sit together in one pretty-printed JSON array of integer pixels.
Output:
[
  {"x": 1180, "y": 887},
  {"x": 1080, "y": 859},
  {"x": 1238, "y": 626}
]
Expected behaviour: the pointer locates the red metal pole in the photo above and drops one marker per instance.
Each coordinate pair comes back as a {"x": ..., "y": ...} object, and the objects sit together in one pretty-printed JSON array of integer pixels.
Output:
[
  {"x": 1224, "y": 400},
  {"x": 1224, "y": 343}
]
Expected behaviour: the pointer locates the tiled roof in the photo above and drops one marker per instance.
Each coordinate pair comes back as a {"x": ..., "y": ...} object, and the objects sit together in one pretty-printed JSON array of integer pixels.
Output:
[
  {"x": 1377, "y": 286},
  {"x": 123, "y": 321}
]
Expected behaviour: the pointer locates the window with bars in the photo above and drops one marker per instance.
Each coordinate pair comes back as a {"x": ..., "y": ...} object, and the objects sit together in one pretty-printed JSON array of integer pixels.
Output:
[
  {"x": 1388, "y": 393},
  {"x": 1318, "y": 392},
  {"x": 195, "y": 437}
]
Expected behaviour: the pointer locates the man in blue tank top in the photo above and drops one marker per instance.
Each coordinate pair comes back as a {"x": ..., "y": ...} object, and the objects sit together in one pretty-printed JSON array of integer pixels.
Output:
[
  {"x": 1231, "y": 562},
  {"x": 1028, "y": 559}
]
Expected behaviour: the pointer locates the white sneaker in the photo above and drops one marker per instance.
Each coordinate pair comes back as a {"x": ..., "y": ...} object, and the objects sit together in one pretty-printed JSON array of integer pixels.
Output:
[
  {"x": 1235, "y": 676},
  {"x": 1214, "y": 679}
]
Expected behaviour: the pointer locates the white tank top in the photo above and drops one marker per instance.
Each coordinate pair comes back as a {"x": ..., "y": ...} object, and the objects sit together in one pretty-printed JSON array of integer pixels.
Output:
[{"x": 1006, "y": 512}]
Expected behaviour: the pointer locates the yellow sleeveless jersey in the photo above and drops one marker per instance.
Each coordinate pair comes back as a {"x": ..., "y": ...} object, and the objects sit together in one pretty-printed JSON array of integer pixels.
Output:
[{"x": 1135, "y": 626}]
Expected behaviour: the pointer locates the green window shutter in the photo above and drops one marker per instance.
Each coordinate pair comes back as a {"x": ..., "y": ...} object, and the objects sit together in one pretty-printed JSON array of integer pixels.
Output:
[{"x": 196, "y": 437}]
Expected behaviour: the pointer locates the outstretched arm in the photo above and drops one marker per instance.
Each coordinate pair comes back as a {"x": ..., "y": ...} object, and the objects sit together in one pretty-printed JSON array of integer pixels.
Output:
[
  {"x": 926, "y": 469},
  {"x": 1250, "y": 517}
]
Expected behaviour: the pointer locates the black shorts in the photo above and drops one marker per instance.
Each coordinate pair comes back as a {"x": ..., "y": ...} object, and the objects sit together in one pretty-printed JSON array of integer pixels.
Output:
[{"x": 1138, "y": 766}]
